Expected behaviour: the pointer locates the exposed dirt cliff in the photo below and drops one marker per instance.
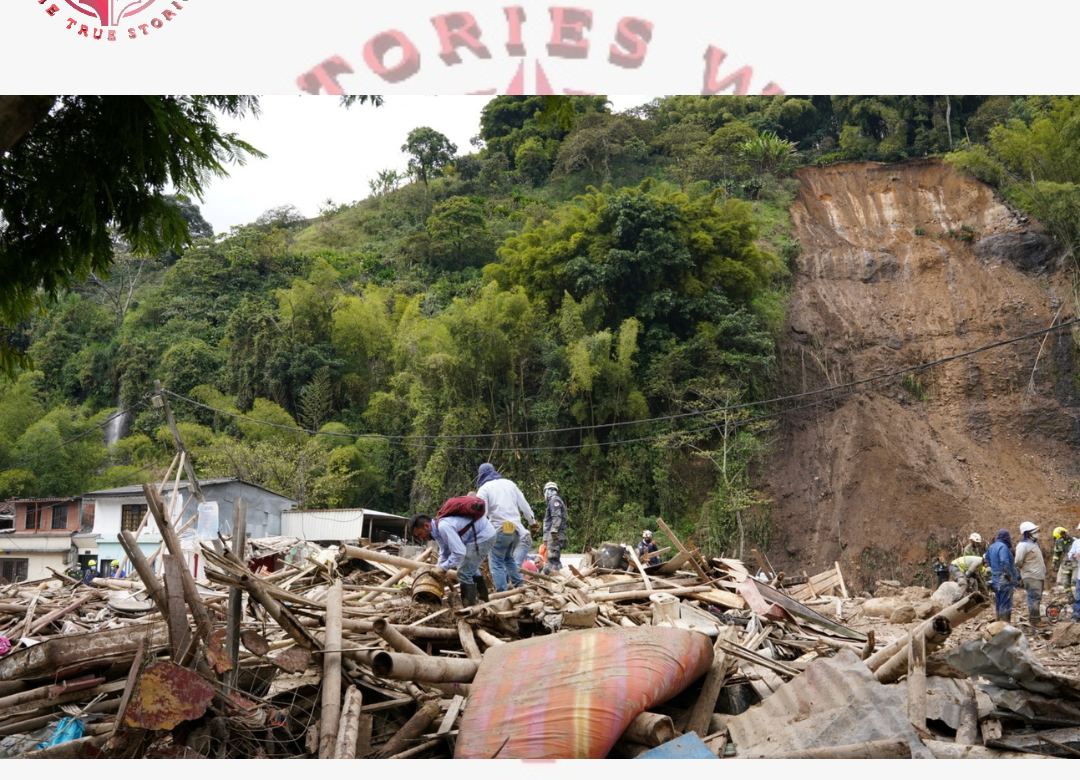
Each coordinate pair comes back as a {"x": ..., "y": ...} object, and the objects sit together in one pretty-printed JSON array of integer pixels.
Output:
[{"x": 881, "y": 480}]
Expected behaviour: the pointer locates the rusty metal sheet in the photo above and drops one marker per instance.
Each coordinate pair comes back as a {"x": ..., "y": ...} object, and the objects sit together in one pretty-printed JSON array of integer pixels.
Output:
[
  {"x": 837, "y": 701},
  {"x": 295, "y": 659},
  {"x": 217, "y": 652},
  {"x": 166, "y": 696},
  {"x": 254, "y": 642}
]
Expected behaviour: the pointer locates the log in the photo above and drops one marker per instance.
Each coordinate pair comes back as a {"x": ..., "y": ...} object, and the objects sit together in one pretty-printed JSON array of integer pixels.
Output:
[
  {"x": 963, "y": 610},
  {"x": 414, "y": 668},
  {"x": 68, "y": 651},
  {"x": 179, "y": 631},
  {"x": 649, "y": 728},
  {"x": 933, "y": 634},
  {"x": 172, "y": 542},
  {"x": 882, "y": 748},
  {"x": 331, "y": 682},
  {"x": 703, "y": 708},
  {"x": 349, "y": 729},
  {"x": 967, "y": 730},
  {"x": 393, "y": 637},
  {"x": 41, "y": 622},
  {"x": 236, "y": 595},
  {"x": 868, "y": 648},
  {"x": 371, "y": 556},
  {"x": 916, "y": 680},
  {"x": 488, "y": 638},
  {"x": 628, "y": 595},
  {"x": 416, "y": 727},
  {"x": 952, "y": 750},
  {"x": 415, "y": 751},
  {"x": 416, "y": 632},
  {"x": 154, "y": 587},
  {"x": 468, "y": 641}
]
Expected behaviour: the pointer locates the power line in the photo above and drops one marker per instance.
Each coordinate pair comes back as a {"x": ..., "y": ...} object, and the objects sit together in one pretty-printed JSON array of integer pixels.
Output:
[
  {"x": 413, "y": 440},
  {"x": 73, "y": 439}
]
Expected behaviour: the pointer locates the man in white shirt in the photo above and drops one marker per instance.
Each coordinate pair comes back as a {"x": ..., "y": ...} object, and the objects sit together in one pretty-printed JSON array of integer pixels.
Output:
[{"x": 505, "y": 506}]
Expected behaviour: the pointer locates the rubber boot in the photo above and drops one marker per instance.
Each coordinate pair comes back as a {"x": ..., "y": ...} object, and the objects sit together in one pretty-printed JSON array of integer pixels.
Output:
[
  {"x": 481, "y": 587},
  {"x": 468, "y": 594},
  {"x": 1005, "y": 617},
  {"x": 1034, "y": 620}
]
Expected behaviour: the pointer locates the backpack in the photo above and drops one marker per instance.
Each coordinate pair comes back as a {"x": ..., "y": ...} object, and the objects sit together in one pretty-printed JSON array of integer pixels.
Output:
[{"x": 463, "y": 506}]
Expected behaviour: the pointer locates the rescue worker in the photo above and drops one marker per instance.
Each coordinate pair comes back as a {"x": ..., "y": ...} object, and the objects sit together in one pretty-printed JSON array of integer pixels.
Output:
[
  {"x": 1066, "y": 566},
  {"x": 964, "y": 571},
  {"x": 90, "y": 573},
  {"x": 505, "y": 507},
  {"x": 463, "y": 542},
  {"x": 115, "y": 573},
  {"x": 645, "y": 549},
  {"x": 1003, "y": 575},
  {"x": 1032, "y": 570},
  {"x": 1074, "y": 556},
  {"x": 554, "y": 529},
  {"x": 975, "y": 546}
]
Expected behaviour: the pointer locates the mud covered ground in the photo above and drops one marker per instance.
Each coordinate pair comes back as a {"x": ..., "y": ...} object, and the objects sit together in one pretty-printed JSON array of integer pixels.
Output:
[{"x": 903, "y": 265}]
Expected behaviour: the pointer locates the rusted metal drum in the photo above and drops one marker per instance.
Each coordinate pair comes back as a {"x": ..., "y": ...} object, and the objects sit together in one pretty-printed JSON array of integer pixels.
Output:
[{"x": 427, "y": 590}]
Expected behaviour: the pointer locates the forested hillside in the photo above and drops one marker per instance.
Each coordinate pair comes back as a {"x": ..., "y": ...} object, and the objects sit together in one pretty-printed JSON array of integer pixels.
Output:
[{"x": 585, "y": 297}]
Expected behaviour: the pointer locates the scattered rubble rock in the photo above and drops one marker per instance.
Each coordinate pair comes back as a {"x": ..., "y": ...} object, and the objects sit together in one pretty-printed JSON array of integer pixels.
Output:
[
  {"x": 946, "y": 594},
  {"x": 881, "y": 607},
  {"x": 902, "y": 615},
  {"x": 1066, "y": 635},
  {"x": 925, "y": 609}
]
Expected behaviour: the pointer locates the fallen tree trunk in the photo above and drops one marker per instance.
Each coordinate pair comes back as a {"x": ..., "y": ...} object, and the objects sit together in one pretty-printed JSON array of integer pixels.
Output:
[
  {"x": 377, "y": 557},
  {"x": 70, "y": 652},
  {"x": 963, "y": 610},
  {"x": 932, "y": 634},
  {"x": 416, "y": 727},
  {"x": 331, "y": 682},
  {"x": 349, "y": 729}
]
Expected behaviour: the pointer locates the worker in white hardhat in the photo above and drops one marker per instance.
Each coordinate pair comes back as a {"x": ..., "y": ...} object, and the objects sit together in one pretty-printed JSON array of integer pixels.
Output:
[
  {"x": 1031, "y": 567},
  {"x": 645, "y": 549},
  {"x": 975, "y": 546}
]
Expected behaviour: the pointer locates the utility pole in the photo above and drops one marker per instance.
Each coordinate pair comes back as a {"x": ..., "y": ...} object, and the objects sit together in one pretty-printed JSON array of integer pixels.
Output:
[{"x": 161, "y": 402}]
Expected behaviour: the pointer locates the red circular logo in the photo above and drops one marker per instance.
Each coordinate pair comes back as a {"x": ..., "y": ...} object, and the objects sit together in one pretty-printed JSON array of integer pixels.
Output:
[{"x": 110, "y": 12}]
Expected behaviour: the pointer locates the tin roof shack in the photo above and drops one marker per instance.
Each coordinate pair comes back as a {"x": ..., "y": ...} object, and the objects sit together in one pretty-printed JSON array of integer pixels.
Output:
[
  {"x": 123, "y": 509},
  {"x": 335, "y": 525},
  {"x": 35, "y": 534}
]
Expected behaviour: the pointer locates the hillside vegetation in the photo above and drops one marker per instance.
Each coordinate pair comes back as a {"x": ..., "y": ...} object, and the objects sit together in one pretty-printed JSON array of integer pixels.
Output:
[{"x": 582, "y": 299}]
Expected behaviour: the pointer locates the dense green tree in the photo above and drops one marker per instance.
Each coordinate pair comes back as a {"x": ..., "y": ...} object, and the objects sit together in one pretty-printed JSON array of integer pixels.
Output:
[
  {"x": 459, "y": 233},
  {"x": 429, "y": 151}
]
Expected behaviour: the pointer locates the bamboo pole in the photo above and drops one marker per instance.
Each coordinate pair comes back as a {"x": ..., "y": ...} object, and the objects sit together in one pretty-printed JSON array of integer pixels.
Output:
[
  {"x": 377, "y": 557},
  {"x": 468, "y": 641},
  {"x": 417, "y": 726},
  {"x": 416, "y": 632},
  {"x": 349, "y": 730},
  {"x": 627, "y": 595},
  {"x": 651, "y": 729},
  {"x": 414, "y": 668},
  {"x": 331, "y": 682},
  {"x": 236, "y": 595},
  {"x": 401, "y": 643},
  {"x": 967, "y": 730}
]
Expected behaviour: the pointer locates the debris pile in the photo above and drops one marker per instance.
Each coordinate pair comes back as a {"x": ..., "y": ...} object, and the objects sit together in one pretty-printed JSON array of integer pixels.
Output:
[{"x": 355, "y": 651}]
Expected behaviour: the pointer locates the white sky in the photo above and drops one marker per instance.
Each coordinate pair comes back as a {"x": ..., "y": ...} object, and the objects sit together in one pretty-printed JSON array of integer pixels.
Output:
[{"x": 317, "y": 150}]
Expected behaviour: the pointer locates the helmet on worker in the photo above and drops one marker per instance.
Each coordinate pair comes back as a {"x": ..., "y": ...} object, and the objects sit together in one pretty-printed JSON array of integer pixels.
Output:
[
  {"x": 115, "y": 564},
  {"x": 1028, "y": 527},
  {"x": 975, "y": 538},
  {"x": 550, "y": 489},
  {"x": 1060, "y": 532},
  {"x": 646, "y": 534},
  {"x": 91, "y": 562}
]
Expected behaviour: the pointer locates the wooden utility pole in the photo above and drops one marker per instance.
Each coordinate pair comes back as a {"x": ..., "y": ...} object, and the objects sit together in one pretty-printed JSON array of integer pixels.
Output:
[{"x": 161, "y": 402}]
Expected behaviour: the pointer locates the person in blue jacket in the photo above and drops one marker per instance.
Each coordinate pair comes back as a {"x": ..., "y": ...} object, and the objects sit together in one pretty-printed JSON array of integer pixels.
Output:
[{"x": 1003, "y": 574}]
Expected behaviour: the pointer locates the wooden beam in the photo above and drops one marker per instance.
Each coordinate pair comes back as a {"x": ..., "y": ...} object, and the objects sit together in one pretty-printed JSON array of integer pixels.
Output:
[{"x": 679, "y": 546}]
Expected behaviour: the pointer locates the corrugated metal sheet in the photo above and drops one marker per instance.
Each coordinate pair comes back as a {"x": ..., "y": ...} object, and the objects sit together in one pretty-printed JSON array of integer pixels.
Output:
[
  {"x": 332, "y": 524},
  {"x": 836, "y": 701}
]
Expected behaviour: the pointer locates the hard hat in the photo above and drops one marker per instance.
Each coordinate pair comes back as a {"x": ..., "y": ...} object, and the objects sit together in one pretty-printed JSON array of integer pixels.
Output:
[
  {"x": 646, "y": 534},
  {"x": 1027, "y": 526},
  {"x": 1060, "y": 532},
  {"x": 975, "y": 538},
  {"x": 115, "y": 564},
  {"x": 91, "y": 562},
  {"x": 551, "y": 486}
]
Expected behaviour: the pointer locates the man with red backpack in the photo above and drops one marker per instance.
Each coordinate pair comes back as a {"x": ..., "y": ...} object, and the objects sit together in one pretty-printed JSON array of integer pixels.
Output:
[{"x": 464, "y": 541}]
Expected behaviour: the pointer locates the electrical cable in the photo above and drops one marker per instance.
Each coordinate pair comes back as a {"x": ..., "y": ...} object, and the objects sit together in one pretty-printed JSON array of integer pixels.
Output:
[{"x": 409, "y": 440}]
